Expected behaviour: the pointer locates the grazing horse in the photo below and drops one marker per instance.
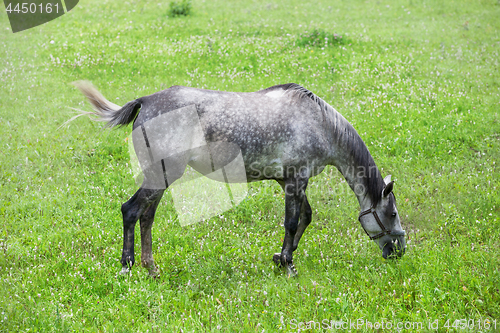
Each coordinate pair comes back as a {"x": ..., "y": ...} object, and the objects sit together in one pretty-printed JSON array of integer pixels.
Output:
[{"x": 284, "y": 132}]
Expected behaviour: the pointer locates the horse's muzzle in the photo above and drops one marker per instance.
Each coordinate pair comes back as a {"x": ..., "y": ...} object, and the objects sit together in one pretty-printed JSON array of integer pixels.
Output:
[{"x": 394, "y": 247}]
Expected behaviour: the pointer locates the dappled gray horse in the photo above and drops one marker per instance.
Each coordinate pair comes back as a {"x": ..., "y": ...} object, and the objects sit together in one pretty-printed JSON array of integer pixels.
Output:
[{"x": 284, "y": 132}]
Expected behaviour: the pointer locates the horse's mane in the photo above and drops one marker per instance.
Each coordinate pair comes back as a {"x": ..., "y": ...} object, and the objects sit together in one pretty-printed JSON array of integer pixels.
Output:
[{"x": 345, "y": 136}]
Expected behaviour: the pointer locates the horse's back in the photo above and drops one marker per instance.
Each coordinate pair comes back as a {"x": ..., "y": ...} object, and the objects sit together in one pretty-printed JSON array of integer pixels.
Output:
[
  {"x": 265, "y": 105},
  {"x": 270, "y": 126}
]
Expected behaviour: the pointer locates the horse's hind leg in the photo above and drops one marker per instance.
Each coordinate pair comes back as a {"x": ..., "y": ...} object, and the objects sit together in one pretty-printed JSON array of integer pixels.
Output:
[
  {"x": 132, "y": 210},
  {"x": 146, "y": 223}
]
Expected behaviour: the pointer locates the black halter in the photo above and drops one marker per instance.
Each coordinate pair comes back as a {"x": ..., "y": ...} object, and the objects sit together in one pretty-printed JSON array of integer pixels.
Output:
[{"x": 384, "y": 229}]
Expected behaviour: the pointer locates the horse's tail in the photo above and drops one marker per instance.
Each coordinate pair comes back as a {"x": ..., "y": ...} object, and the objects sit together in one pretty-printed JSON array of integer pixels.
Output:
[{"x": 106, "y": 111}]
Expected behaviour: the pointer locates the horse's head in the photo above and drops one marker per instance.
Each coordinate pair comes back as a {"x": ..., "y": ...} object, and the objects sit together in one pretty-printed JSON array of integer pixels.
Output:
[{"x": 381, "y": 223}]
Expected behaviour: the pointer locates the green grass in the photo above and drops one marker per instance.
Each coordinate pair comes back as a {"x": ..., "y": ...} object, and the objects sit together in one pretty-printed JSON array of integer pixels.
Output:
[
  {"x": 420, "y": 82},
  {"x": 179, "y": 8}
]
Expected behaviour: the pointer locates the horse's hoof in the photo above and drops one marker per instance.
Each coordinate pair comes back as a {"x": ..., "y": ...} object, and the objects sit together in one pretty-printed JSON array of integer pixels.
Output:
[
  {"x": 154, "y": 273},
  {"x": 277, "y": 259},
  {"x": 291, "y": 271},
  {"x": 125, "y": 271}
]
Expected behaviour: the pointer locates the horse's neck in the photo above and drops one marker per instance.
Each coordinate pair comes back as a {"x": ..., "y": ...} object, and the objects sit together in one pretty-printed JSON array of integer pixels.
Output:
[
  {"x": 356, "y": 179},
  {"x": 343, "y": 158}
]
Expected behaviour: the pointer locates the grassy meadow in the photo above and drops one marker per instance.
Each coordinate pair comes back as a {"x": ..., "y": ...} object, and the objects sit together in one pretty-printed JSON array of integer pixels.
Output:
[{"x": 418, "y": 79}]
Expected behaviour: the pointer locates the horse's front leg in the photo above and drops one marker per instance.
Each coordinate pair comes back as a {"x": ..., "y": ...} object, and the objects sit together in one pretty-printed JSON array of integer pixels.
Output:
[
  {"x": 294, "y": 197},
  {"x": 304, "y": 221}
]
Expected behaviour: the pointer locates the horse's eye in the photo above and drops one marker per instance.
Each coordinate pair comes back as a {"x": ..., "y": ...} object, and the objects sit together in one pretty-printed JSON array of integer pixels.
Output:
[{"x": 393, "y": 214}]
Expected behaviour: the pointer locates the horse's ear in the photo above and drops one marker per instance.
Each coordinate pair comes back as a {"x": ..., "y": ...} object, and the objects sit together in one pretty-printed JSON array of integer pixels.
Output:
[
  {"x": 388, "y": 189},
  {"x": 387, "y": 179}
]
